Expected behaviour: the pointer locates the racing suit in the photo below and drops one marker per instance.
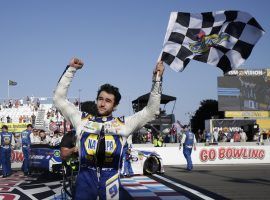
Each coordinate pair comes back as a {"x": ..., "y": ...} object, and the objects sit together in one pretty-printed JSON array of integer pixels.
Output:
[
  {"x": 6, "y": 139},
  {"x": 188, "y": 141},
  {"x": 101, "y": 140},
  {"x": 127, "y": 163},
  {"x": 26, "y": 141}
]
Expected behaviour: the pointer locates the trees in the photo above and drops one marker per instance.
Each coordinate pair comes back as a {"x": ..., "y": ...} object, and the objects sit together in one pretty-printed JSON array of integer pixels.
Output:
[{"x": 208, "y": 109}]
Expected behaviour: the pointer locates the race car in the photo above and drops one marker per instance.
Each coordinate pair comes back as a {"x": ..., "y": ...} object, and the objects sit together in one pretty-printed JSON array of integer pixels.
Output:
[
  {"x": 45, "y": 158},
  {"x": 143, "y": 162}
]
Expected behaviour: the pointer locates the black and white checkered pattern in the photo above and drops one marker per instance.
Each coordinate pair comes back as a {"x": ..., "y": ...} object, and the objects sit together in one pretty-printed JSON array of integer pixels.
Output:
[{"x": 242, "y": 29}]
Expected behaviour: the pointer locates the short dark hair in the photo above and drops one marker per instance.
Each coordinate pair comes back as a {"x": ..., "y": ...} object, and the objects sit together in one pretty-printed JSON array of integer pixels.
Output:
[
  {"x": 29, "y": 125},
  {"x": 111, "y": 90},
  {"x": 5, "y": 127}
]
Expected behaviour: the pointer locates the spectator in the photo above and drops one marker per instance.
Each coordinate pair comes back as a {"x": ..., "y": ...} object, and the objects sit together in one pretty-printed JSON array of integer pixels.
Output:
[
  {"x": 55, "y": 140},
  {"x": 9, "y": 120},
  {"x": 61, "y": 135},
  {"x": 20, "y": 119},
  {"x": 207, "y": 137},
  {"x": 21, "y": 102},
  {"x": 16, "y": 103},
  {"x": 18, "y": 141},
  {"x": 160, "y": 141},
  {"x": 34, "y": 137},
  {"x": 230, "y": 136},
  {"x": 33, "y": 119},
  {"x": 215, "y": 134},
  {"x": 10, "y": 104},
  {"x": 28, "y": 100},
  {"x": 200, "y": 136},
  {"x": 38, "y": 103},
  {"x": 224, "y": 135},
  {"x": 149, "y": 136},
  {"x": 44, "y": 139},
  {"x": 173, "y": 134},
  {"x": 236, "y": 137},
  {"x": 259, "y": 137},
  {"x": 167, "y": 138}
]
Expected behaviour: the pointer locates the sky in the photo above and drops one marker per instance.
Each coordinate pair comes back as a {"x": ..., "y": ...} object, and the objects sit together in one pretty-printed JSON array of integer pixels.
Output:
[{"x": 119, "y": 42}]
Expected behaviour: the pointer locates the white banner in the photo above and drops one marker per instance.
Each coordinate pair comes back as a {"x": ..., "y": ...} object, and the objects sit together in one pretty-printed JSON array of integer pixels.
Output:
[{"x": 214, "y": 154}]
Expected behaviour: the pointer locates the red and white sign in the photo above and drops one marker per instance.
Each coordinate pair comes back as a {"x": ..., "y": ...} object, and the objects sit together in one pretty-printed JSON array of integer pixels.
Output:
[
  {"x": 245, "y": 153},
  {"x": 229, "y": 153}
]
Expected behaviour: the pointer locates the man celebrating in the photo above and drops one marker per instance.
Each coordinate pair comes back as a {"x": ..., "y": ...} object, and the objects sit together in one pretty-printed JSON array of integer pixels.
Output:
[
  {"x": 26, "y": 142},
  {"x": 101, "y": 138}
]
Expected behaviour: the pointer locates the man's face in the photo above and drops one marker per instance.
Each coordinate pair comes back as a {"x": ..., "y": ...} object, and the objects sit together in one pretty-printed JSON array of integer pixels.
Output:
[
  {"x": 105, "y": 103},
  {"x": 35, "y": 132},
  {"x": 42, "y": 134}
]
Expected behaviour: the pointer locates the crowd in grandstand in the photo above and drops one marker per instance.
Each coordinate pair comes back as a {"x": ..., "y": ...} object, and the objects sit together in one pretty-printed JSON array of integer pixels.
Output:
[{"x": 9, "y": 108}]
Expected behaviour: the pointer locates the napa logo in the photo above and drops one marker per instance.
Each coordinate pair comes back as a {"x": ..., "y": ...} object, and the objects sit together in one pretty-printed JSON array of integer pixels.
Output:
[
  {"x": 110, "y": 144},
  {"x": 90, "y": 144}
]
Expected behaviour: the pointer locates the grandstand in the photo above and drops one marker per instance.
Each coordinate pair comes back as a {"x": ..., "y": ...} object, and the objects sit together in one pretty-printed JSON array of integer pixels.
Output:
[
  {"x": 41, "y": 116},
  {"x": 15, "y": 113}
]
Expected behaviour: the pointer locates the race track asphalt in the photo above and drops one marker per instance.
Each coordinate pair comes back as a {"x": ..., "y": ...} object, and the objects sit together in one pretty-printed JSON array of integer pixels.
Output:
[
  {"x": 213, "y": 182},
  {"x": 223, "y": 181}
]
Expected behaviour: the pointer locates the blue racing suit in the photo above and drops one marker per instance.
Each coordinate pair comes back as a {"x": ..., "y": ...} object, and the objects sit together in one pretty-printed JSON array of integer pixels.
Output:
[
  {"x": 207, "y": 137},
  {"x": 127, "y": 163},
  {"x": 6, "y": 139},
  {"x": 101, "y": 140},
  {"x": 25, "y": 135},
  {"x": 189, "y": 139}
]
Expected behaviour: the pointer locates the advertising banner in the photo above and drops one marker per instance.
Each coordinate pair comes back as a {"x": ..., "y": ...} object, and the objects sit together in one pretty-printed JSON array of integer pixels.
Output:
[
  {"x": 15, "y": 127},
  {"x": 244, "y": 90},
  {"x": 219, "y": 154}
]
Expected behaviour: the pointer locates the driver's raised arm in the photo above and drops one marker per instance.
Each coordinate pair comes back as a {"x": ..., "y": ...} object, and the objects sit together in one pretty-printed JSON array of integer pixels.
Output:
[
  {"x": 67, "y": 109},
  {"x": 149, "y": 112}
]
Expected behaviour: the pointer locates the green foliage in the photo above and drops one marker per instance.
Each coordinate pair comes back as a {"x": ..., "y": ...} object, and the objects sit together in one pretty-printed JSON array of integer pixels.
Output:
[{"x": 208, "y": 109}]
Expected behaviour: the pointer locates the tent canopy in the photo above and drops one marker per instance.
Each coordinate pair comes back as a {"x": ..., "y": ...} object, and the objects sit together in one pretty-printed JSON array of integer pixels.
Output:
[{"x": 144, "y": 99}]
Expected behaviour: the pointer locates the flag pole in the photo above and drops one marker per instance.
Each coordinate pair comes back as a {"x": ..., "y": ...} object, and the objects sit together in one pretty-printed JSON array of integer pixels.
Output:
[{"x": 8, "y": 89}]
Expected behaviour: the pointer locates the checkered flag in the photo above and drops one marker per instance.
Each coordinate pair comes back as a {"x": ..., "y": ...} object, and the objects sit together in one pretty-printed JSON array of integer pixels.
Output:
[{"x": 222, "y": 38}]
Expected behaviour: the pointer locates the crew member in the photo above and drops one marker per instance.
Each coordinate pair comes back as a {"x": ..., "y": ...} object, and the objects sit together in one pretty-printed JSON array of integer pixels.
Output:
[
  {"x": 127, "y": 163},
  {"x": 101, "y": 138},
  {"x": 188, "y": 141},
  {"x": 26, "y": 142},
  {"x": 6, "y": 140}
]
